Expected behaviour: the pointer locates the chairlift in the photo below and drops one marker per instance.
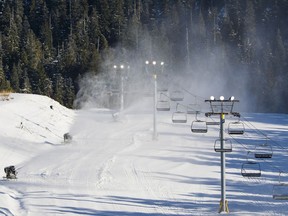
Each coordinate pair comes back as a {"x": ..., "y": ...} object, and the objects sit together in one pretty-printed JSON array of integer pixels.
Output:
[
  {"x": 251, "y": 169},
  {"x": 227, "y": 145},
  {"x": 263, "y": 151},
  {"x": 163, "y": 104},
  {"x": 179, "y": 116},
  {"x": 177, "y": 96},
  {"x": 280, "y": 190},
  {"x": 199, "y": 126},
  {"x": 212, "y": 121},
  {"x": 164, "y": 90},
  {"x": 236, "y": 128}
]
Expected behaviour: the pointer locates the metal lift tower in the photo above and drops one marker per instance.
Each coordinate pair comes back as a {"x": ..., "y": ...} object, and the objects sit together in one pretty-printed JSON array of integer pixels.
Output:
[{"x": 222, "y": 107}]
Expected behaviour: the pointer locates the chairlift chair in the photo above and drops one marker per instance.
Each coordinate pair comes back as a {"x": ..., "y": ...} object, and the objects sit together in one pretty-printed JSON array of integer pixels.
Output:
[
  {"x": 212, "y": 121},
  {"x": 199, "y": 126},
  {"x": 163, "y": 105},
  {"x": 227, "y": 145},
  {"x": 280, "y": 190},
  {"x": 251, "y": 169},
  {"x": 164, "y": 90},
  {"x": 179, "y": 116},
  {"x": 263, "y": 151},
  {"x": 177, "y": 96},
  {"x": 236, "y": 128}
]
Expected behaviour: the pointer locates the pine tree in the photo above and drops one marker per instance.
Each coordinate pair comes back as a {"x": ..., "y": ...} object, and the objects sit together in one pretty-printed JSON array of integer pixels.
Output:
[
  {"x": 3, "y": 84},
  {"x": 117, "y": 21},
  {"x": 69, "y": 94},
  {"x": 14, "y": 79},
  {"x": 25, "y": 85},
  {"x": 48, "y": 87},
  {"x": 58, "y": 84}
]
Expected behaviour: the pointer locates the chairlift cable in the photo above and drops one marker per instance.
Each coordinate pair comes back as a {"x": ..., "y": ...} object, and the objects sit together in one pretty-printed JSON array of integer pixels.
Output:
[
  {"x": 263, "y": 134},
  {"x": 184, "y": 89},
  {"x": 263, "y": 160}
]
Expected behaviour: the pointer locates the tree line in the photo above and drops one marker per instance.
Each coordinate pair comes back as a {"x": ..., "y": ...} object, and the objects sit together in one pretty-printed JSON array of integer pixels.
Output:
[{"x": 46, "y": 46}]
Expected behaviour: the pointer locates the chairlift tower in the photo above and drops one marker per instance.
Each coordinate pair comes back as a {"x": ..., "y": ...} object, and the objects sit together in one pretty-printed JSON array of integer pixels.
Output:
[{"x": 221, "y": 108}]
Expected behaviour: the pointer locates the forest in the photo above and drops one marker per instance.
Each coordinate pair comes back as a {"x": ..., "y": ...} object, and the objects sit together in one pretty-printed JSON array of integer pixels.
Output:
[{"x": 48, "y": 46}]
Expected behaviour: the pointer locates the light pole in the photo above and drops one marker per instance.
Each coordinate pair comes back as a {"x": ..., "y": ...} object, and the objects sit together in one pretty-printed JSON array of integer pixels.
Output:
[
  {"x": 121, "y": 67},
  {"x": 222, "y": 107},
  {"x": 154, "y": 63}
]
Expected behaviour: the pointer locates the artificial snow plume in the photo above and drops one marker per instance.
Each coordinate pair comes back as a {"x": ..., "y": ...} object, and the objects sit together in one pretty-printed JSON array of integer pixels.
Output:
[{"x": 115, "y": 167}]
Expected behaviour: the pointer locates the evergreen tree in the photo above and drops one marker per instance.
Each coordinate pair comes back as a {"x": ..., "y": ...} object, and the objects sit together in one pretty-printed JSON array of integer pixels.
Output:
[
  {"x": 25, "y": 85},
  {"x": 14, "y": 79},
  {"x": 3, "y": 84},
  {"x": 69, "y": 94},
  {"x": 58, "y": 84}
]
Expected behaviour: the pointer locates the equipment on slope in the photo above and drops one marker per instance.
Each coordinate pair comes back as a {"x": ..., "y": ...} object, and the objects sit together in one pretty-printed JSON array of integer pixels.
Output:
[
  {"x": 10, "y": 172},
  {"x": 67, "y": 137}
]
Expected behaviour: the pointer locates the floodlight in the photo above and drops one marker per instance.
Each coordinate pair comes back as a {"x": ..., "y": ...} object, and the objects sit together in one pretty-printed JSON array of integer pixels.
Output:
[
  {"x": 221, "y": 98},
  {"x": 231, "y": 98},
  {"x": 162, "y": 63},
  {"x": 154, "y": 62},
  {"x": 121, "y": 66},
  {"x": 147, "y": 62},
  {"x": 115, "y": 66},
  {"x": 212, "y": 98}
]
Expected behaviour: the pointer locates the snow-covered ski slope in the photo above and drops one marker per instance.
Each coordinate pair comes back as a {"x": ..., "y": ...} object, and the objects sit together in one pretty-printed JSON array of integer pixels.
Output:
[{"x": 112, "y": 166}]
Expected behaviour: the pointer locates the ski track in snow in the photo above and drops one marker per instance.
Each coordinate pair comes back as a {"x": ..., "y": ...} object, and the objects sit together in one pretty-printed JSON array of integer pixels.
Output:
[{"x": 113, "y": 167}]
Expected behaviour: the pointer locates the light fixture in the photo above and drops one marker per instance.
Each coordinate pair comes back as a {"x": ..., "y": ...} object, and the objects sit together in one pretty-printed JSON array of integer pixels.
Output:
[
  {"x": 147, "y": 62},
  {"x": 221, "y": 98},
  {"x": 162, "y": 63},
  {"x": 231, "y": 98},
  {"x": 212, "y": 98},
  {"x": 115, "y": 66},
  {"x": 121, "y": 66},
  {"x": 154, "y": 62}
]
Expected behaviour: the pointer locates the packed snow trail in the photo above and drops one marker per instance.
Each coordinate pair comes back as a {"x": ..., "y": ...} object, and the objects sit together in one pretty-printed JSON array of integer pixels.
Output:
[{"x": 113, "y": 167}]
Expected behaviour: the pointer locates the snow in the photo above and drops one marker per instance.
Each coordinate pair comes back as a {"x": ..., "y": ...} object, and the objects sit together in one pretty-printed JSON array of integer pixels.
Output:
[{"x": 112, "y": 166}]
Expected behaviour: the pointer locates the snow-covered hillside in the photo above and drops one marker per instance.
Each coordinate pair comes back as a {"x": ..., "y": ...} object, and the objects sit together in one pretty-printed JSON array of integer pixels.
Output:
[{"x": 112, "y": 166}]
